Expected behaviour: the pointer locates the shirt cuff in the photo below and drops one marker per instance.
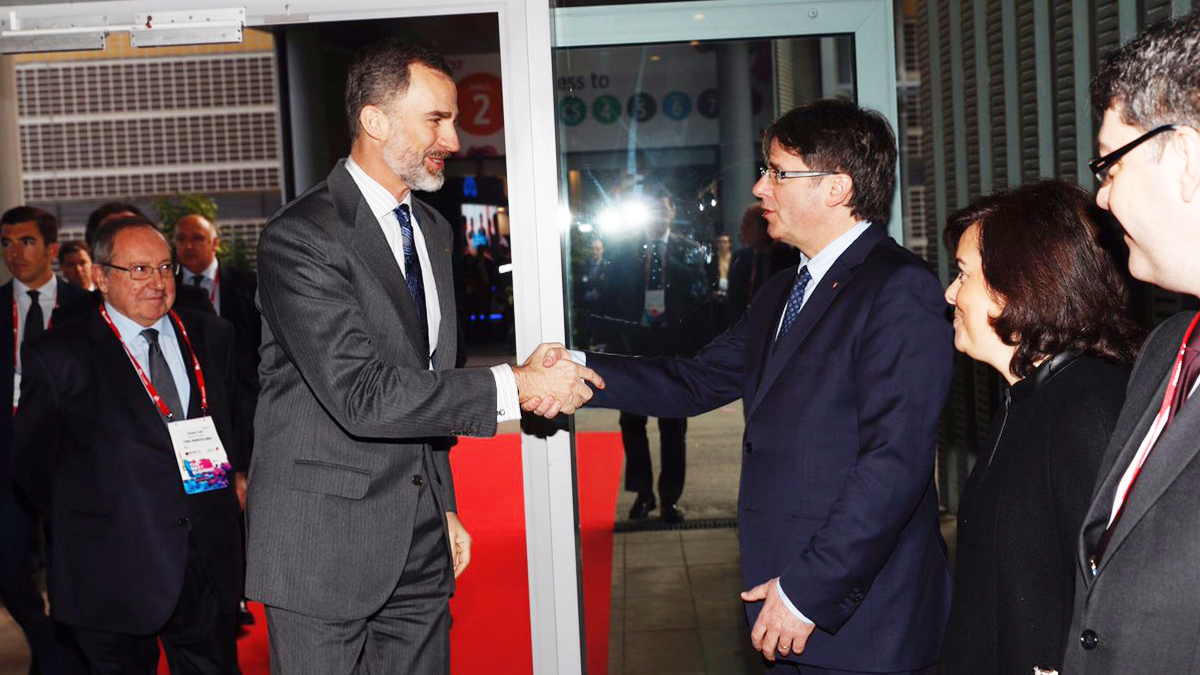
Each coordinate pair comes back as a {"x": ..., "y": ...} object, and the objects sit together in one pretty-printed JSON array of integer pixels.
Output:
[
  {"x": 578, "y": 356},
  {"x": 508, "y": 404},
  {"x": 790, "y": 607}
]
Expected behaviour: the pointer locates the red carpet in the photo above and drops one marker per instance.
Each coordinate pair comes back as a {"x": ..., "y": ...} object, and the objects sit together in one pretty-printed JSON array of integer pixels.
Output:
[{"x": 491, "y": 632}]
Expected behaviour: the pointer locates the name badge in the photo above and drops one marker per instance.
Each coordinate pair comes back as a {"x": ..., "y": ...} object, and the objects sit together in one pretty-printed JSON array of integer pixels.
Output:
[
  {"x": 656, "y": 307},
  {"x": 203, "y": 464}
]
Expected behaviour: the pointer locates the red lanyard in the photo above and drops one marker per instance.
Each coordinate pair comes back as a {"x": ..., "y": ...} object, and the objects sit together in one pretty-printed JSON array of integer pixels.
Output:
[
  {"x": 16, "y": 315},
  {"x": 1163, "y": 411},
  {"x": 162, "y": 407}
]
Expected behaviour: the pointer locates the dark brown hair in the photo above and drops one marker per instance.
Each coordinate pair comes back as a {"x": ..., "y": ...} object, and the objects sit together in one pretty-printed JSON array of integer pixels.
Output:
[
  {"x": 73, "y": 246},
  {"x": 380, "y": 72},
  {"x": 1042, "y": 258},
  {"x": 836, "y": 135},
  {"x": 1155, "y": 76},
  {"x": 47, "y": 223},
  {"x": 103, "y": 211}
]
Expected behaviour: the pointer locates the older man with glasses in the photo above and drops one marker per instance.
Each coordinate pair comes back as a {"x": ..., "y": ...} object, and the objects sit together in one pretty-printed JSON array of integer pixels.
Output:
[
  {"x": 124, "y": 438},
  {"x": 1137, "y": 593}
]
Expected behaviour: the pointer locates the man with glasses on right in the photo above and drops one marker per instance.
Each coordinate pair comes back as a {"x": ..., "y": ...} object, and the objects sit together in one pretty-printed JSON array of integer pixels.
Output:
[{"x": 1137, "y": 595}]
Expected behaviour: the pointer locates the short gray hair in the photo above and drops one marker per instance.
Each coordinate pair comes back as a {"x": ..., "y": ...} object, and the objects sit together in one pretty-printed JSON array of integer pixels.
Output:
[{"x": 106, "y": 236}]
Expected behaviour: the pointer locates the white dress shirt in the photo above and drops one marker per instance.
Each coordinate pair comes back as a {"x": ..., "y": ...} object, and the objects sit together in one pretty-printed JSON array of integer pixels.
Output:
[
  {"x": 47, "y": 298},
  {"x": 383, "y": 206},
  {"x": 136, "y": 343},
  {"x": 208, "y": 281}
]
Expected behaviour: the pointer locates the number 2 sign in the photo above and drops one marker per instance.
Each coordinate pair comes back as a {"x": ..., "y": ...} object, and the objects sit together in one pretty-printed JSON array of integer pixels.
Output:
[{"x": 480, "y": 104}]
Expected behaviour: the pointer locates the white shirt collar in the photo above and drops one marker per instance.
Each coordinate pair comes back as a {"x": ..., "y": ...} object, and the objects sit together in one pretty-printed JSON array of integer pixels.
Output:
[
  {"x": 131, "y": 330},
  {"x": 819, "y": 264},
  {"x": 380, "y": 200},
  {"x": 48, "y": 291}
]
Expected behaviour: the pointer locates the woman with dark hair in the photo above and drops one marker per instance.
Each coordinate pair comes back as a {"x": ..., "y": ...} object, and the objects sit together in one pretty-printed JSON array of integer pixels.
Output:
[{"x": 1038, "y": 299}]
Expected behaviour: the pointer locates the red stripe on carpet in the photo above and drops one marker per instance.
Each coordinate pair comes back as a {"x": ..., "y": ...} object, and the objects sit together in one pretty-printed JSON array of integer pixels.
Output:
[{"x": 491, "y": 631}]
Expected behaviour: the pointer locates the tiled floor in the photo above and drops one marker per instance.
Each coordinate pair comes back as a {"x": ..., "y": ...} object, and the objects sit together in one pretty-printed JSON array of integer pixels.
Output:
[{"x": 675, "y": 605}]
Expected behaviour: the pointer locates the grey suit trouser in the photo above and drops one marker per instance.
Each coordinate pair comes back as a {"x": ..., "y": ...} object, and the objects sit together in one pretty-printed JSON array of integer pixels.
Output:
[{"x": 410, "y": 634}]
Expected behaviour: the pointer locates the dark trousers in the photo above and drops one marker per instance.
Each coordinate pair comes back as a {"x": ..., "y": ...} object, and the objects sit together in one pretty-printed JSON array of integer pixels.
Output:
[
  {"x": 50, "y": 643},
  {"x": 409, "y": 635},
  {"x": 639, "y": 476},
  {"x": 199, "y": 638}
]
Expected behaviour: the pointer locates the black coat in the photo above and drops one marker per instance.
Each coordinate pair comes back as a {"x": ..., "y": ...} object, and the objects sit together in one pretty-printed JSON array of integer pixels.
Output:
[
  {"x": 238, "y": 288},
  {"x": 687, "y": 325},
  {"x": 1020, "y": 517},
  {"x": 92, "y": 451},
  {"x": 66, "y": 308}
]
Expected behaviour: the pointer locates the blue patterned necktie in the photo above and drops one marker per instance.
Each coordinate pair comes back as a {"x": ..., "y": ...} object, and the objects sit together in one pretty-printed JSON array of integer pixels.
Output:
[
  {"x": 412, "y": 265},
  {"x": 795, "y": 299}
]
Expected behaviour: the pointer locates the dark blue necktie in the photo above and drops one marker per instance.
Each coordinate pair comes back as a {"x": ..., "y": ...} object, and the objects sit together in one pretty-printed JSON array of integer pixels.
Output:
[
  {"x": 412, "y": 266},
  {"x": 795, "y": 299}
]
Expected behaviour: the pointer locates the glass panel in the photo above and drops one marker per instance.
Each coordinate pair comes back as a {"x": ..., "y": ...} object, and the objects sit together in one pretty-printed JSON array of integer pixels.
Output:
[{"x": 659, "y": 151}]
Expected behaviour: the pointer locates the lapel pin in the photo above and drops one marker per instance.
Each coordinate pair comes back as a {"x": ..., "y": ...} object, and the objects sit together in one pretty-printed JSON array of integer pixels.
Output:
[{"x": 835, "y": 284}]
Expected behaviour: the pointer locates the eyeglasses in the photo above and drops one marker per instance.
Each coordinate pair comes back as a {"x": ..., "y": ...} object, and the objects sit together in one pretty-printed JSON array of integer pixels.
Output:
[
  {"x": 1100, "y": 166},
  {"x": 778, "y": 176},
  {"x": 144, "y": 272}
]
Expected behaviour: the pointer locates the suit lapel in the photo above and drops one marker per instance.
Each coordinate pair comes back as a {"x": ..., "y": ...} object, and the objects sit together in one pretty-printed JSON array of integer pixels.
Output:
[
  {"x": 437, "y": 245},
  {"x": 831, "y": 285},
  {"x": 778, "y": 356},
  {"x": 365, "y": 239}
]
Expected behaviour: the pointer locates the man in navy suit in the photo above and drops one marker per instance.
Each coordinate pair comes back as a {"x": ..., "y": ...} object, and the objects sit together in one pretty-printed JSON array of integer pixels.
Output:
[
  {"x": 842, "y": 365},
  {"x": 37, "y": 300}
]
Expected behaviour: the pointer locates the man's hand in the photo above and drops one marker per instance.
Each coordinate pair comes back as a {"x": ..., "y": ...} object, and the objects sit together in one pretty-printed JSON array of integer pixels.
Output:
[
  {"x": 460, "y": 543},
  {"x": 776, "y": 629},
  {"x": 239, "y": 488},
  {"x": 549, "y": 382}
]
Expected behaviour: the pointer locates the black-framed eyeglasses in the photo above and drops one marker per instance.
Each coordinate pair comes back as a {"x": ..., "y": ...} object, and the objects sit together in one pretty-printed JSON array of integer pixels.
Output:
[
  {"x": 1100, "y": 166},
  {"x": 778, "y": 176},
  {"x": 144, "y": 272}
]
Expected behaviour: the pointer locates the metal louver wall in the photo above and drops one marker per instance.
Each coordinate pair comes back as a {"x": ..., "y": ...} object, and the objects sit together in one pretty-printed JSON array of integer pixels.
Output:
[{"x": 1004, "y": 101}]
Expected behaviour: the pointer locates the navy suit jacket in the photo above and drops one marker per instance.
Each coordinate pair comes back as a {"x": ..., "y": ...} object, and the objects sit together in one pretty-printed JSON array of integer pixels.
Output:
[
  {"x": 837, "y": 495},
  {"x": 93, "y": 454},
  {"x": 63, "y": 312}
]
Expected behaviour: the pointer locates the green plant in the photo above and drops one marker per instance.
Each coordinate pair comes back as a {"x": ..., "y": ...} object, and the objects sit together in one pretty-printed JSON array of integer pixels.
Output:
[{"x": 231, "y": 253}]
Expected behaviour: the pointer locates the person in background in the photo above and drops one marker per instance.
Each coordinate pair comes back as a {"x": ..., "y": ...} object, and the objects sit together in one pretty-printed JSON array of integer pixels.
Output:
[
  {"x": 655, "y": 302},
  {"x": 1137, "y": 586},
  {"x": 30, "y": 241},
  {"x": 1039, "y": 299},
  {"x": 231, "y": 292},
  {"x": 718, "y": 278},
  {"x": 75, "y": 263}
]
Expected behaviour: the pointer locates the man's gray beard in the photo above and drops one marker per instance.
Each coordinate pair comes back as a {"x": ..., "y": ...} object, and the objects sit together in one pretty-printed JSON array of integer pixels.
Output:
[{"x": 414, "y": 174}]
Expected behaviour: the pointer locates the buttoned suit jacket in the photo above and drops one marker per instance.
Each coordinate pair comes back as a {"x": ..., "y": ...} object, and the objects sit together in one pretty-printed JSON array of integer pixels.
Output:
[
  {"x": 350, "y": 413},
  {"x": 1141, "y": 609},
  {"x": 93, "y": 452},
  {"x": 837, "y": 495},
  {"x": 67, "y": 295}
]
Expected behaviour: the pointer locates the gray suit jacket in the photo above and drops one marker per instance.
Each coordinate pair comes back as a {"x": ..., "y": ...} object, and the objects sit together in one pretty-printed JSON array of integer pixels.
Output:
[
  {"x": 351, "y": 423},
  {"x": 1141, "y": 612}
]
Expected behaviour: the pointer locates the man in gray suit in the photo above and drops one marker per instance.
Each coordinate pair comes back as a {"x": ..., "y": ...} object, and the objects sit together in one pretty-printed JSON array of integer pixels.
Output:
[
  {"x": 353, "y": 541},
  {"x": 1137, "y": 597}
]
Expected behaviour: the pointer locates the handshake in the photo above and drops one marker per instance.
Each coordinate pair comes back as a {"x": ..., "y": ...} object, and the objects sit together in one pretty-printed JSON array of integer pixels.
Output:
[{"x": 549, "y": 382}]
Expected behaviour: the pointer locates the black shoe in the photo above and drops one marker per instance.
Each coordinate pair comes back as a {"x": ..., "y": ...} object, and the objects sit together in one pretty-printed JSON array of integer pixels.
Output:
[
  {"x": 642, "y": 507},
  {"x": 672, "y": 514}
]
